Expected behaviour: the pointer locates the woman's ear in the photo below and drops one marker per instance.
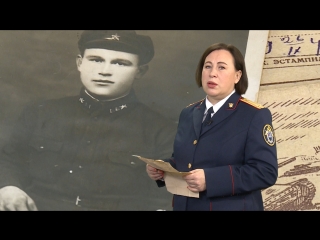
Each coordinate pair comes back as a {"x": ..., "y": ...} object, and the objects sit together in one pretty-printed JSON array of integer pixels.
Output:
[
  {"x": 141, "y": 71},
  {"x": 238, "y": 76},
  {"x": 78, "y": 60}
]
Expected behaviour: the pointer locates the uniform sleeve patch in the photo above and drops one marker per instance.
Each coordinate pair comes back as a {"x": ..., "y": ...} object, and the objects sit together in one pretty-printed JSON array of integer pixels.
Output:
[
  {"x": 254, "y": 104},
  {"x": 269, "y": 135}
]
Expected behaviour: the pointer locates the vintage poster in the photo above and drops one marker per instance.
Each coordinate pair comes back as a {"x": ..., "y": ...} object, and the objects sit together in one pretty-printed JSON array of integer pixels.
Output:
[{"x": 289, "y": 87}]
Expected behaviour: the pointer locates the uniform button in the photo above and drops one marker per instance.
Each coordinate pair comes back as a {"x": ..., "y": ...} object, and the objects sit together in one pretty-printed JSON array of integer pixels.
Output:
[
  {"x": 195, "y": 142},
  {"x": 42, "y": 147},
  {"x": 70, "y": 171},
  {"x": 88, "y": 141},
  {"x": 189, "y": 165}
]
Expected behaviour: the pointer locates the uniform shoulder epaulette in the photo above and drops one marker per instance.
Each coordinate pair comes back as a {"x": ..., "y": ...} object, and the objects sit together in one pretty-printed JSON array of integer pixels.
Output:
[
  {"x": 194, "y": 103},
  {"x": 254, "y": 104}
]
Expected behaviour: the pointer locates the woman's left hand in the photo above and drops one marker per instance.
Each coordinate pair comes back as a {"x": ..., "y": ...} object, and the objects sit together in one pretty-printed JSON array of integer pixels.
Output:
[{"x": 196, "y": 180}]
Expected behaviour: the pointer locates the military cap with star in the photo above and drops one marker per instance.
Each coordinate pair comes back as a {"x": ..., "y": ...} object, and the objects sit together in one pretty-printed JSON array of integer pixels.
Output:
[{"x": 118, "y": 40}]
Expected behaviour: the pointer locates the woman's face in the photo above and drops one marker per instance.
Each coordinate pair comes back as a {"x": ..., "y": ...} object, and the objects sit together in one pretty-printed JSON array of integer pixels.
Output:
[
  {"x": 108, "y": 73},
  {"x": 219, "y": 75}
]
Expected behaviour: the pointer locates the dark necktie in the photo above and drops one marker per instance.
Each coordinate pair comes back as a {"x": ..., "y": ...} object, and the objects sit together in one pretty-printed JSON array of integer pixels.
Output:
[{"x": 207, "y": 120}]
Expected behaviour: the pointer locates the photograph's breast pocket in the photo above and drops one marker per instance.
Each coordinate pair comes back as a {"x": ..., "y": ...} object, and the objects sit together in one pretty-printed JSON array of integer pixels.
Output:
[{"x": 44, "y": 157}]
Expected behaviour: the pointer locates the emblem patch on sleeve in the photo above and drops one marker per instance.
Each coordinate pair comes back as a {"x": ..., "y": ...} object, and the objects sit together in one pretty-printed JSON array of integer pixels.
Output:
[{"x": 268, "y": 135}]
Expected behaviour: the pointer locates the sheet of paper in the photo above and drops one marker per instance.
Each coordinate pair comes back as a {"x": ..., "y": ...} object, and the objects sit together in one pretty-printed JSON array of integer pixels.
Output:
[{"x": 175, "y": 183}]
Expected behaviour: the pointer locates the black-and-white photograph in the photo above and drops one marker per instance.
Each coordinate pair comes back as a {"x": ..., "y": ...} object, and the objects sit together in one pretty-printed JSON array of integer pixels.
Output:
[{"x": 77, "y": 105}]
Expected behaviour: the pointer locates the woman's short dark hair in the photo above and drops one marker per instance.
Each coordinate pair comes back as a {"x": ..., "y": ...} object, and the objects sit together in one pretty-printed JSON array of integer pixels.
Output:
[{"x": 239, "y": 64}]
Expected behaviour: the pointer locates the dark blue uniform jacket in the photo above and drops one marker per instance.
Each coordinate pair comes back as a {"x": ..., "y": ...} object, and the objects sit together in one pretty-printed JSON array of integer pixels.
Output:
[{"x": 237, "y": 152}]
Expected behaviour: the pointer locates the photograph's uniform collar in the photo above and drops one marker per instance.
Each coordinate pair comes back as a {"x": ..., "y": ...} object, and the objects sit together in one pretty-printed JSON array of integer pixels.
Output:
[{"x": 92, "y": 104}]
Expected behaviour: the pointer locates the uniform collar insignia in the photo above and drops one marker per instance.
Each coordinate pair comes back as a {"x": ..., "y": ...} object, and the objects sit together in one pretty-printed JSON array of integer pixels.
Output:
[
  {"x": 93, "y": 104},
  {"x": 116, "y": 109},
  {"x": 111, "y": 109},
  {"x": 230, "y": 105}
]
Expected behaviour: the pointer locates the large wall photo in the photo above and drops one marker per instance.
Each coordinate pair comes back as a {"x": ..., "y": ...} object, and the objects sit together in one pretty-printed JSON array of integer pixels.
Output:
[{"x": 41, "y": 65}]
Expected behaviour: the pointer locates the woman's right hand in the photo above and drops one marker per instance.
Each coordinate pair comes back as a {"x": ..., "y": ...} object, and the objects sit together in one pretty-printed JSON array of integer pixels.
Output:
[{"x": 154, "y": 173}]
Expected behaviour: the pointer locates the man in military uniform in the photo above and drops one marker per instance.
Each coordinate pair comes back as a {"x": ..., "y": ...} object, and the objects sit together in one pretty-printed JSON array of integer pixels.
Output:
[{"x": 75, "y": 153}]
